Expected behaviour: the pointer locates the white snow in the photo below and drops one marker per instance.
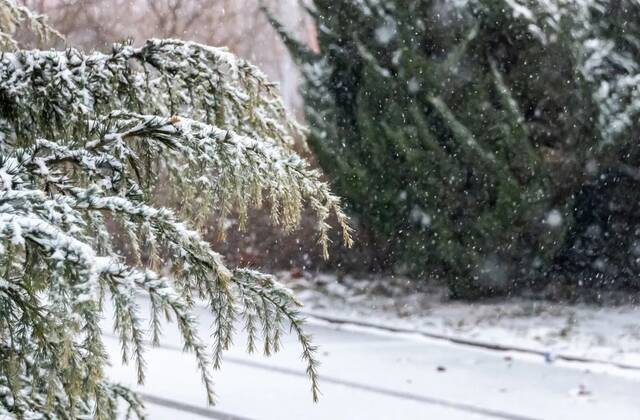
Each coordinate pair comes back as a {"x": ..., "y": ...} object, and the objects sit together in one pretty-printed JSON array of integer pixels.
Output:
[
  {"x": 610, "y": 334},
  {"x": 554, "y": 218},
  {"x": 371, "y": 375},
  {"x": 385, "y": 33}
]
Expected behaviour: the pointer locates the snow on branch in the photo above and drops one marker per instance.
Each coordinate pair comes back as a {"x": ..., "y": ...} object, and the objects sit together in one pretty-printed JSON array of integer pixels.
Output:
[
  {"x": 55, "y": 91},
  {"x": 84, "y": 140},
  {"x": 606, "y": 56}
]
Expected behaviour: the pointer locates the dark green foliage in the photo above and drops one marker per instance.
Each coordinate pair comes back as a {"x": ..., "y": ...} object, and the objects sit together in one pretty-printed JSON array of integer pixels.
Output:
[
  {"x": 461, "y": 133},
  {"x": 602, "y": 250}
]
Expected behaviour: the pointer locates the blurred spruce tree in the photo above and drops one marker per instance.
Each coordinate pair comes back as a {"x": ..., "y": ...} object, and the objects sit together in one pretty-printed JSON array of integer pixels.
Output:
[{"x": 462, "y": 132}]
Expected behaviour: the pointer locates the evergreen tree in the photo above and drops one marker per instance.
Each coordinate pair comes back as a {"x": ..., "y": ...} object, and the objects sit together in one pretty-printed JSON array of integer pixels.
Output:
[
  {"x": 86, "y": 139},
  {"x": 461, "y": 133}
]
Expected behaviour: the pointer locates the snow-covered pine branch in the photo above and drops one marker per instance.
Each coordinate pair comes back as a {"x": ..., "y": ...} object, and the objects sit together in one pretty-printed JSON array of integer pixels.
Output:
[
  {"x": 54, "y": 92},
  {"x": 84, "y": 141}
]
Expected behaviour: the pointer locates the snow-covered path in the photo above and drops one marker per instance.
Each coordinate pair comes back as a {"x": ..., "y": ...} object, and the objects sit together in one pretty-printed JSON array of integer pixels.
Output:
[{"x": 371, "y": 375}]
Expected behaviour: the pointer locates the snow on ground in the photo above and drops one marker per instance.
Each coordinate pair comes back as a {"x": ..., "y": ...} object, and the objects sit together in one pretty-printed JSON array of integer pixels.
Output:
[
  {"x": 375, "y": 375},
  {"x": 609, "y": 334}
]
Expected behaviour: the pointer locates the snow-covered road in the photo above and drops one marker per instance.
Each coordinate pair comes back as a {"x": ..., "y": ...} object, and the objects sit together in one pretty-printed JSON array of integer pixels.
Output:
[{"x": 370, "y": 375}]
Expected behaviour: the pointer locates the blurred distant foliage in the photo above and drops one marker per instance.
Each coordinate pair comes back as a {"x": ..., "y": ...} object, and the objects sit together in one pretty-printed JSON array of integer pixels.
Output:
[{"x": 470, "y": 137}]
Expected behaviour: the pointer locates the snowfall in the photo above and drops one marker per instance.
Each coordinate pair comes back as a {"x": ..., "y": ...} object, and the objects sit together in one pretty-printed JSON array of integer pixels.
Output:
[{"x": 392, "y": 355}]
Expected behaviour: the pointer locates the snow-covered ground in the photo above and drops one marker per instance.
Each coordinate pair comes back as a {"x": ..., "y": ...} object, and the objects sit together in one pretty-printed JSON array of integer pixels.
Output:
[
  {"x": 371, "y": 374},
  {"x": 609, "y": 334}
]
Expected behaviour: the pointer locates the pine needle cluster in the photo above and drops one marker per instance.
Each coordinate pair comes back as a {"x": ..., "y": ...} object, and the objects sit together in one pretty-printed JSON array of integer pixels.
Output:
[{"x": 85, "y": 141}]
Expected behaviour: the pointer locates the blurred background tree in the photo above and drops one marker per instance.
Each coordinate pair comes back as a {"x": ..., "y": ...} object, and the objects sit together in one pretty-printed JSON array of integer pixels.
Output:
[{"x": 479, "y": 140}]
